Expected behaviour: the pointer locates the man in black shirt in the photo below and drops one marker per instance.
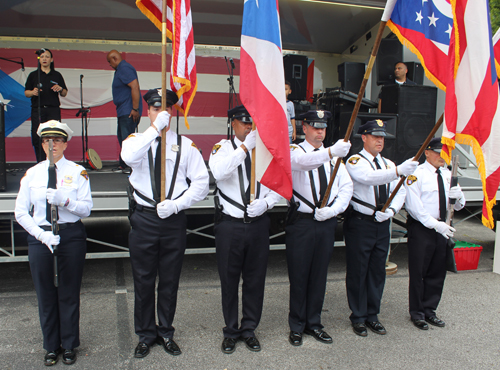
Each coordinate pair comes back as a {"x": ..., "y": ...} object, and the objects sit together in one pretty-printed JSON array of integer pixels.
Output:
[{"x": 51, "y": 86}]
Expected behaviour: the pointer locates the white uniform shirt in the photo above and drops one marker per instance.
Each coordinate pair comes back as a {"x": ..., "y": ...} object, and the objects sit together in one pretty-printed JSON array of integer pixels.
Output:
[
  {"x": 365, "y": 177},
  {"x": 224, "y": 161},
  {"x": 135, "y": 154},
  {"x": 422, "y": 194},
  {"x": 311, "y": 160},
  {"x": 72, "y": 179}
]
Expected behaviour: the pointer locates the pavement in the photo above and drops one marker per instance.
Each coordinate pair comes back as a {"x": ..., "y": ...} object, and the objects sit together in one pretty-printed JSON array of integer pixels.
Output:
[{"x": 470, "y": 307}]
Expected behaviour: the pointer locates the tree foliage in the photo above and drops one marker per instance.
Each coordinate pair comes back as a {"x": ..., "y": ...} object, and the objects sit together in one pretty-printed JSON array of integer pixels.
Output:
[{"x": 494, "y": 15}]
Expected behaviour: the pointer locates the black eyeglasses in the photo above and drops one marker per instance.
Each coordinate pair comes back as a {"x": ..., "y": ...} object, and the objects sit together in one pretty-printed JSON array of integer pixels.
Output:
[{"x": 57, "y": 140}]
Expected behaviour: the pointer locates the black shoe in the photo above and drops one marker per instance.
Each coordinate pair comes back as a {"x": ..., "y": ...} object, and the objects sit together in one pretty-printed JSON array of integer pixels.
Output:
[
  {"x": 51, "y": 357},
  {"x": 295, "y": 338},
  {"x": 421, "y": 324},
  {"x": 69, "y": 356},
  {"x": 169, "y": 345},
  {"x": 142, "y": 350},
  {"x": 435, "y": 321},
  {"x": 320, "y": 335},
  {"x": 252, "y": 343},
  {"x": 376, "y": 327},
  {"x": 228, "y": 345},
  {"x": 360, "y": 329},
  {"x": 127, "y": 170}
]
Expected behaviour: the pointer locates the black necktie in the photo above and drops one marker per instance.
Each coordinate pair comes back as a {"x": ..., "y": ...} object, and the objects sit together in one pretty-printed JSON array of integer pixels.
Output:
[
  {"x": 158, "y": 170},
  {"x": 248, "y": 170},
  {"x": 52, "y": 184},
  {"x": 382, "y": 190},
  {"x": 323, "y": 183},
  {"x": 442, "y": 196}
]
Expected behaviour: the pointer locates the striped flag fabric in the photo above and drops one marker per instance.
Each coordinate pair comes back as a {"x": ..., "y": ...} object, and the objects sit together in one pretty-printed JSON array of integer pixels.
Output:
[
  {"x": 496, "y": 50},
  {"x": 472, "y": 114},
  {"x": 183, "y": 80},
  {"x": 262, "y": 92}
]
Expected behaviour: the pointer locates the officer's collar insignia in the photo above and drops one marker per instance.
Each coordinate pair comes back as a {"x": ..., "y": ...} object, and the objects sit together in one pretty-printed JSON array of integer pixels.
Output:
[
  {"x": 353, "y": 160},
  {"x": 379, "y": 122},
  {"x": 84, "y": 174},
  {"x": 321, "y": 114},
  {"x": 411, "y": 179},
  {"x": 194, "y": 145},
  {"x": 215, "y": 148}
]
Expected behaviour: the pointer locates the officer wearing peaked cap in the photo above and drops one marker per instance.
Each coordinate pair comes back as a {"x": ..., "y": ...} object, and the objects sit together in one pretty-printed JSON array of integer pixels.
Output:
[
  {"x": 157, "y": 240},
  {"x": 241, "y": 232},
  {"x": 310, "y": 230},
  {"x": 427, "y": 194},
  {"x": 366, "y": 229},
  {"x": 69, "y": 190}
]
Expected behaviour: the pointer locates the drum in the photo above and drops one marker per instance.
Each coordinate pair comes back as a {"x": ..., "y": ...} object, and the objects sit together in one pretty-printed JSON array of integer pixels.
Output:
[{"x": 93, "y": 159}]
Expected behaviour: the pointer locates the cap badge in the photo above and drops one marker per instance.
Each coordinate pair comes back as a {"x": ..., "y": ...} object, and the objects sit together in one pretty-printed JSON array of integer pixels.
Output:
[
  {"x": 321, "y": 114},
  {"x": 380, "y": 122},
  {"x": 159, "y": 91}
]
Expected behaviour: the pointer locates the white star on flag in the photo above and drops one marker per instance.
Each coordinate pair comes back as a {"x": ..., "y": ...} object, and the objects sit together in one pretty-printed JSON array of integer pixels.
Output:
[
  {"x": 5, "y": 101},
  {"x": 449, "y": 30},
  {"x": 432, "y": 20},
  {"x": 419, "y": 17}
]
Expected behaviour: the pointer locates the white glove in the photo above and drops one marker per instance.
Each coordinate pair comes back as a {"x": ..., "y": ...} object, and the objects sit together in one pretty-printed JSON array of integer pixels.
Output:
[
  {"x": 257, "y": 208},
  {"x": 323, "y": 214},
  {"x": 56, "y": 196},
  {"x": 455, "y": 192},
  {"x": 250, "y": 140},
  {"x": 444, "y": 229},
  {"x": 166, "y": 208},
  {"x": 384, "y": 216},
  {"x": 407, "y": 167},
  {"x": 162, "y": 120},
  {"x": 49, "y": 239},
  {"x": 340, "y": 148}
]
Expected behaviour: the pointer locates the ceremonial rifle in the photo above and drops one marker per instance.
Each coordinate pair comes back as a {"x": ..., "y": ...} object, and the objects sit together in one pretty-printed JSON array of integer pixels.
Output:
[
  {"x": 53, "y": 212},
  {"x": 454, "y": 182}
]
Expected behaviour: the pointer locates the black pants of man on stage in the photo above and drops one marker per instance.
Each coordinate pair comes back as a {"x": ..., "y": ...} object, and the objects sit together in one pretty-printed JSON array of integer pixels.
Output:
[
  {"x": 427, "y": 268},
  {"x": 367, "y": 246},
  {"x": 157, "y": 247},
  {"x": 59, "y": 308},
  {"x": 309, "y": 248},
  {"x": 242, "y": 250}
]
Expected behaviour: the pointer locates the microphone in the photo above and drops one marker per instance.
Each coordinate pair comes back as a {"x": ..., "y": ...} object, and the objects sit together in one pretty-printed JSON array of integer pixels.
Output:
[
  {"x": 40, "y": 52},
  {"x": 22, "y": 64},
  {"x": 81, "y": 78},
  {"x": 232, "y": 63}
]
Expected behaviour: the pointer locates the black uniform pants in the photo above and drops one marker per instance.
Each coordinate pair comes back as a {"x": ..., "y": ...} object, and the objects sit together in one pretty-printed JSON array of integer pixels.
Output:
[
  {"x": 46, "y": 114},
  {"x": 242, "y": 250},
  {"x": 427, "y": 268},
  {"x": 59, "y": 308},
  {"x": 156, "y": 247},
  {"x": 309, "y": 248},
  {"x": 367, "y": 246}
]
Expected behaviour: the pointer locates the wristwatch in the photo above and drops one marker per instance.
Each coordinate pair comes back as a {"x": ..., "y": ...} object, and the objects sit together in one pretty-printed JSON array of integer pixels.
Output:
[{"x": 137, "y": 110}]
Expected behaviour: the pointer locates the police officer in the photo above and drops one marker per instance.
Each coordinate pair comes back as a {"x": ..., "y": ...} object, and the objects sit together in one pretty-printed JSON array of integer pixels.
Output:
[
  {"x": 58, "y": 307},
  {"x": 241, "y": 232},
  {"x": 310, "y": 230},
  {"x": 367, "y": 229},
  {"x": 427, "y": 194},
  {"x": 157, "y": 240}
]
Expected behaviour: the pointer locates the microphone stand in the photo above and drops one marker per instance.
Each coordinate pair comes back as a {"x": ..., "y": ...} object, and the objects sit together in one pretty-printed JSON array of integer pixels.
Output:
[
  {"x": 233, "y": 99},
  {"x": 83, "y": 111}
]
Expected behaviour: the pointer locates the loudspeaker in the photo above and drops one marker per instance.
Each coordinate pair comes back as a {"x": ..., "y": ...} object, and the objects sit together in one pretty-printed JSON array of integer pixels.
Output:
[
  {"x": 389, "y": 53},
  {"x": 296, "y": 73},
  {"x": 3, "y": 169},
  {"x": 415, "y": 72},
  {"x": 391, "y": 121},
  {"x": 416, "y": 109},
  {"x": 351, "y": 76}
]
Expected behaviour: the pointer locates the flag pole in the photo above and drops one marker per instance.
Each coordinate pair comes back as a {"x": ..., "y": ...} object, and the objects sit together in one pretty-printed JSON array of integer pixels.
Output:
[
  {"x": 356, "y": 107},
  {"x": 252, "y": 176},
  {"x": 416, "y": 158},
  {"x": 163, "y": 92}
]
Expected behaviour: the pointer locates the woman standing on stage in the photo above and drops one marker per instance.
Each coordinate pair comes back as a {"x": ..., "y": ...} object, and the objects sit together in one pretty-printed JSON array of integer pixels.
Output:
[
  {"x": 51, "y": 86},
  {"x": 59, "y": 307}
]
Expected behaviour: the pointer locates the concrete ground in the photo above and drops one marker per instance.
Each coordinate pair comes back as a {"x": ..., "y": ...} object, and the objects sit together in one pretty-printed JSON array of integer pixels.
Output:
[{"x": 470, "y": 307}]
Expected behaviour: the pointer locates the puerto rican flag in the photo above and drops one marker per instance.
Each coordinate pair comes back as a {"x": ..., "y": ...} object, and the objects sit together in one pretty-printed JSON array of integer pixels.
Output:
[
  {"x": 472, "y": 114},
  {"x": 262, "y": 92},
  {"x": 496, "y": 50}
]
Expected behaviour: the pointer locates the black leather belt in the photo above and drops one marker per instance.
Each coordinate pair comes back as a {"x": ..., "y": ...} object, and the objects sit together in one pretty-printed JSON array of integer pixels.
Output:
[
  {"x": 61, "y": 226},
  {"x": 248, "y": 220},
  {"x": 362, "y": 216},
  {"x": 306, "y": 216},
  {"x": 142, "y": 208}
]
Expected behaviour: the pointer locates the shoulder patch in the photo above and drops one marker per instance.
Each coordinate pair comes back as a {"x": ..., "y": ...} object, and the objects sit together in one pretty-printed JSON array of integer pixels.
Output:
[
  {"x": 293, "y": 147},
  {"x": 84, "y": 174},
  {"x": 353, "y": 160},
  {"x": 131, "y": 135},
  {"x": 215, "y": 148},
  {"x": 194, "y": 145},
  {"x": 411, "y": 179}
]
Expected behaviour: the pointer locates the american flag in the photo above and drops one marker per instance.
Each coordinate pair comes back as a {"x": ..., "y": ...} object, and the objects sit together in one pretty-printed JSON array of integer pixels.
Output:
[
  {"x": 183, "y": 79},
  {"x": 262, "y": 92}
]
